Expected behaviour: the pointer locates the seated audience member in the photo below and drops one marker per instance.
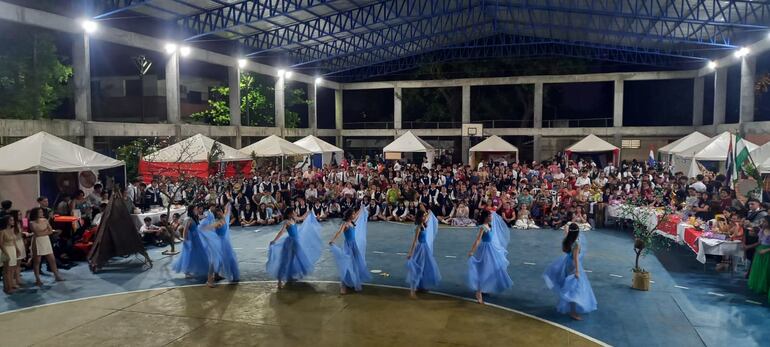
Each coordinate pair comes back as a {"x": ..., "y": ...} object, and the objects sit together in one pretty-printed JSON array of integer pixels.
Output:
[
  {"x": 264, "y": 215},
  {"x": 524, "y": 221},
  {"x": 320, "y": 210},
  {"x": 248, "y": 217},
  {"x": 460, "y": 216},
  {"x": 334, "y": 209},
  {"x": 153, "y": 234},
  {"x": 374, "y": 211},
  {"x": 400, "y": 213}
]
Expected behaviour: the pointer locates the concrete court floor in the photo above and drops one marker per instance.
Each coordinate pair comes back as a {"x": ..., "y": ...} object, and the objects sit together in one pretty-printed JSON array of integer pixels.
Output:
[
  {"x": 689, "y": 305},
  {"x": 254, "y": 314}
]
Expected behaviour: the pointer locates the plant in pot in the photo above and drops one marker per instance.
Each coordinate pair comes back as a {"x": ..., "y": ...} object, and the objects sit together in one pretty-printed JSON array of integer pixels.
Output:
[{"x": 644, "y": 221}]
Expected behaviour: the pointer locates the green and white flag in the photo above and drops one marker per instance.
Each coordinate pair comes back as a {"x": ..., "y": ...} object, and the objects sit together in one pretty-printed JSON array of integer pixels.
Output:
[{"x": 741, "y": 155}]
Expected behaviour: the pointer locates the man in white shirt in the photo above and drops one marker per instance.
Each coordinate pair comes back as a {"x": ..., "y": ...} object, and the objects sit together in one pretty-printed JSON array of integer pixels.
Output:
[
  {"x": 699, "y": 186},
  {"x": 583, "y": 179}
]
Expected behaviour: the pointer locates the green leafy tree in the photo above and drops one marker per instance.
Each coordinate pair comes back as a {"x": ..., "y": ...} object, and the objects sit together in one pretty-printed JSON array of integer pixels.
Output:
[
  {"x": 257, "y": 106},
  {"x": 33, "y": 79}
]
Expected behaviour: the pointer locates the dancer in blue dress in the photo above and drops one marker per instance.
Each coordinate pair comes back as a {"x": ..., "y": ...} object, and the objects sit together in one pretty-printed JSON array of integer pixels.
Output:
[
  {"x": 193, "y": 261},
  {"x": 213, "y": 245},
  {"x": 294, "y": 257},
  {"x": 487, "y": 263},
  {"x": 567, "y": 278},
  {"x": 351, "y": 259},
  {"x": 422, "y": 269},
  {"x": 230, "y": 269}
]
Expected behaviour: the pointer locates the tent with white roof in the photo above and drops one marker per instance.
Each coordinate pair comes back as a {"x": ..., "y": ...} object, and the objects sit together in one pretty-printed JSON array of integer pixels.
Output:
[
  {"x": 274, "y": 146},
  {"x": 667, "y": 152},
  {"x": 713, "y": 150},
  {"x": 45, "y": 165},
  {"x": 191, "y": 157},
  {"x": 409, "y": 143},
  {"x": 323, "y": 152},
  {"x": 492, "y": 147},
  {"x": 598, "y": 150}
]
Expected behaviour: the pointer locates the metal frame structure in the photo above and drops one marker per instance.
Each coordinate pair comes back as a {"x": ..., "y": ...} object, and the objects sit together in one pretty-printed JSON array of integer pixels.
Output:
[{"x": 360, "y": 39}]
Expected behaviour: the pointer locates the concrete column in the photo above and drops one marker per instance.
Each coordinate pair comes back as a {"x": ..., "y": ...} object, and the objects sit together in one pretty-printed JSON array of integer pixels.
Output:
[
  {"x": 397, "y": 108},
  {"x": 238, "y": 138},
  {"x": 537, "y": 147},
  {"x": 81, "y": 63},
  {"x": 748, "y": 68},
  {"x": 312, "y": 107},
  {"x": 280, "y": 105},
  {"x": 234, "y": 82},
  {"x": 720, "y": 95},
  {"x": 538, "y": 116},
  {"x": 617, "y": 114},
  {"x": 173, "y": 107},
  {"x": 338, "y": 116},
  {"x": 466, "y": 118},
  {"x": 697, "y": 101}
]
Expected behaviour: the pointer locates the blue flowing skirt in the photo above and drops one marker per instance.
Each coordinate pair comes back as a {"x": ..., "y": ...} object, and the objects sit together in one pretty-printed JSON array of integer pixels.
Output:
[
  {"x": 560, "y": 278},
  {"x": 229, "y": 260},
  {"x": 488, "y": 270},
  {"x": 286, "y": 260},
  {"x": 351, "y": 265},
  {"x": 213, "y": 251},
  {"x": 422, "y": 270},
  {"x": 194, "y": 258}
]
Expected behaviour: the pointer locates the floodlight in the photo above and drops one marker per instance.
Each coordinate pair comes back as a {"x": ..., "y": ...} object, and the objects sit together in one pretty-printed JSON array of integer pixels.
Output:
[
  {"x": 242, "y": 63},
  {"x": 318, "y": 80},
  {"x": 742, "y": 52},
  {"x": 281, "y": 72},
  {"x": 712, "y": 65},
  {"x": 288, "y": 74},
  {"x": 88, "y": 25},
  {"x": 170, "y": 47},
  {"x": 184, "y": 50}
]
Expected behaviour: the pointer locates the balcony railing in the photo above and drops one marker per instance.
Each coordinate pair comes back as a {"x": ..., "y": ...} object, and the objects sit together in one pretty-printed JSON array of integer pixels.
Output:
[
  {"x": 368, "y": 125},
  {"x": 578, "y": 123},
  {"x": 505, "y": 123},
  {"x": 431, "y": 125}
]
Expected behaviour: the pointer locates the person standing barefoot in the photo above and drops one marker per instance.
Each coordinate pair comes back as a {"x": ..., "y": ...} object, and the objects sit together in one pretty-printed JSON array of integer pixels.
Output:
[
  {"x": 41, "y": 246},
  {"x": 568, "y": 280},
  {"x": 422, "y": 269},
  {"x": 351, "y": 260},
  {"x": 487, "y": 262},
  {"x": 294, "y": 257}
]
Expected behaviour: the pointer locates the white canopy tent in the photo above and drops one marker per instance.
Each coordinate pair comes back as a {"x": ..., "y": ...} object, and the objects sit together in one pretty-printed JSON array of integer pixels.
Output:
[
  {"x": 594, "y": 147},
  {"x": 323, "y": 152},
  {"x": 193, "y": 150},
  {"x": 273, "y": 146},
  {"x": 761, "y": 158},
  {"x": 715, "y": 150},
  {"x": 493, "y": 146},
  {"x": 667, "y": 152},
  {"x": 27, "y": 161},
  {"x": 409, "y": 143}
]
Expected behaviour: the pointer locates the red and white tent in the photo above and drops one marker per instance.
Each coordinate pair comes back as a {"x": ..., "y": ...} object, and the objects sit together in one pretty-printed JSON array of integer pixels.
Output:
[{"x": 191, "y": 157}]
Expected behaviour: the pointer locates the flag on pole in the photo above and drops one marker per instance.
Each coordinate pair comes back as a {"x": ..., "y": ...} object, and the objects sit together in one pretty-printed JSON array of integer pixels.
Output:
[
  {"x": 730, "y": 164},
  {"x": 741, "y": 156},
  {"x": 651, "y": 159}
]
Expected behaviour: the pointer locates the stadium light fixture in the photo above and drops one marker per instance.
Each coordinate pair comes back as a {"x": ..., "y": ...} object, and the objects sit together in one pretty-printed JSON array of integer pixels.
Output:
[
  {"x": 242, "y": 63},
  {"x": 89, "y": 26},
  {"x": 184, "y": 50},
  {"x": 742, "y": 52},
  {"x": 170, "y": 48},
  {"x": 281, "y": 73},
  {"x": 288, "y": 74},
  {"x": 712, "y": 65},
  {"x": 318, "y": 80}
]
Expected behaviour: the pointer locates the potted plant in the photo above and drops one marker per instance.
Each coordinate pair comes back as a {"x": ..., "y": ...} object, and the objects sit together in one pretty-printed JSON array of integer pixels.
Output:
[{"x": 644, "y": 221}]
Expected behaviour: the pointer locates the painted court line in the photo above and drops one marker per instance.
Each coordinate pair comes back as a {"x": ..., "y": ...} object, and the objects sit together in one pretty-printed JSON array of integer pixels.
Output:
[
  {"x": 754, "y": 302},
  {"x": 588, "y": 271},
  {"x": 401, "y": 253},
  {"x": 614, "y": 275},
  {"x": 528, "y": 263},
  {"x": 715, "y": 294},
  {"x": 378, "y": 252},
  {"x": 681, "y": 287},
  {"x": 450, "y": 256}
]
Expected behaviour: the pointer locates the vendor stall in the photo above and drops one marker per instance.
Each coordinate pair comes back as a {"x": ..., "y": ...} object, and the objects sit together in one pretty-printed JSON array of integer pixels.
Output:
[
  {"x": 274, "y": 147},
  {"x": 409, "y": 143},
  {"x": 495, "y": 148},
  {"x": 324, "y": 153},
  {"x": 598, "y": 150},
  {"x": 45, "y": 165},
  {"x": 191, "y": 157}
]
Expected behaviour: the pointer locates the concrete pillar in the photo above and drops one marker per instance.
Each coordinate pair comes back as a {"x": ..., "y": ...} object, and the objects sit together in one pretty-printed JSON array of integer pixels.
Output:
[
  {"x": 338, "y": 116},
  {"x": 537, "y": 147},
  {"x": 238, "y": 144},
  {"x": 234, "y": 82},
  {"x": 466, "y": 118},
  {"x": 397, "y": 108},
  {"x": 720, "y": 95},
  {"x": 312, "y": 107},
  {"x": 617, "y": 114},
  {"x": 697, "y": 101},
  {"x": 748, "y": 69},
  {"x": 173, "y": 107},
  {"x": 280, "y": 105},
  {"x": 538, "y": 116},
  {"x": 81, "y": 64}
]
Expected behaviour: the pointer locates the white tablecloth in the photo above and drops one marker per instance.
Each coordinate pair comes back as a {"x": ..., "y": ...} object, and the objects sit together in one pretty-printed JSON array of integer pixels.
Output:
[
  {"x": 718, "y": 247},
  {"x": 155, "y": 215}
]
